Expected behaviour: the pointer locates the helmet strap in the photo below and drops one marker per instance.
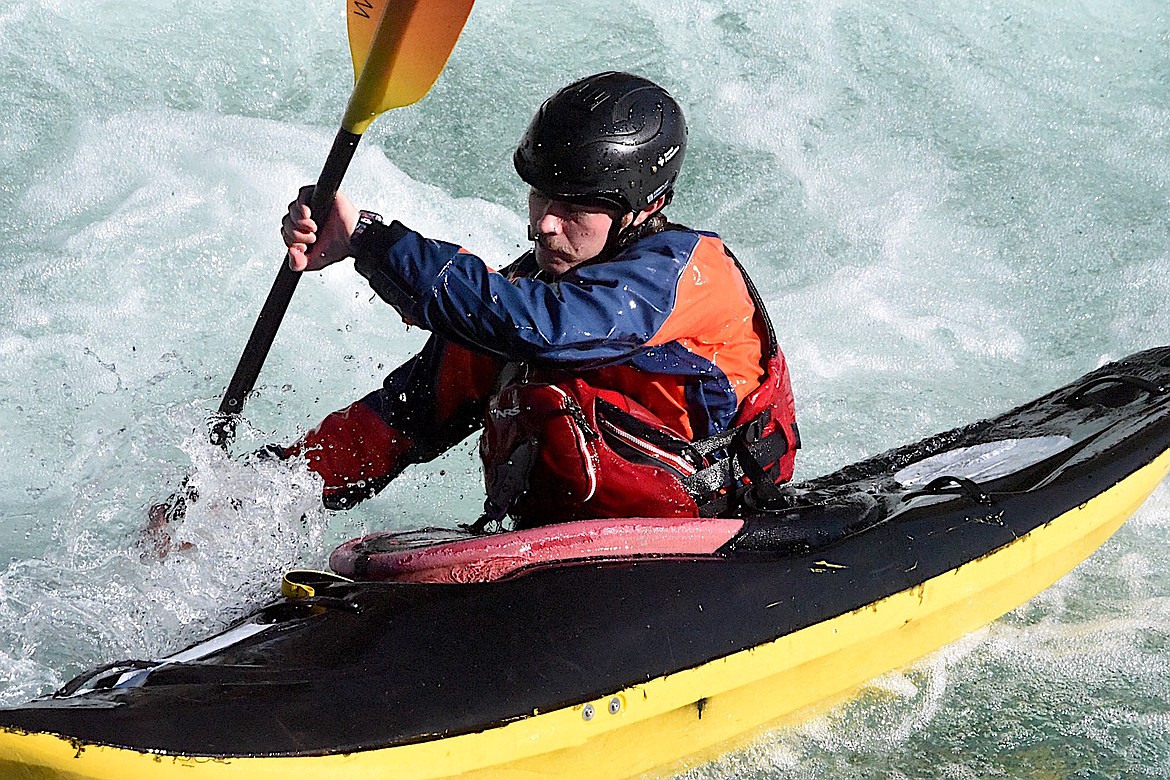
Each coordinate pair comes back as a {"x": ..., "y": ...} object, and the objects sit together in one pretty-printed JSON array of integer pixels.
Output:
[
  {"x": 613, "y": 241},
  {"x": 620, "y": 238}
]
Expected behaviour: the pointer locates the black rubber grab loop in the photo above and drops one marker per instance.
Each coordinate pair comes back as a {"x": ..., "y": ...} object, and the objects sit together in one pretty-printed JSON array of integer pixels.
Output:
[
  {"x": 956, "y": 485},
  {"x": 1116, "y": 379},
  {"x": 77, "y": 683}
]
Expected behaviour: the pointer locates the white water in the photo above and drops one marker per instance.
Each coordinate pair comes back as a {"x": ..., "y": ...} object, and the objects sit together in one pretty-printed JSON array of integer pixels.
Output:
[{"x": 950, "y": 208}]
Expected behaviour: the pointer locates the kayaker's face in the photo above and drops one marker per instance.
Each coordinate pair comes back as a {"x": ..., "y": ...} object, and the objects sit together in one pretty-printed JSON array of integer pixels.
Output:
[{"x": 568, "y": 233}]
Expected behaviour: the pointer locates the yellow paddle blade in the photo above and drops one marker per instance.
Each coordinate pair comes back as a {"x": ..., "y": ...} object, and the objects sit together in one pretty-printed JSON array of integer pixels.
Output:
[{"x": 399, "y": 47}]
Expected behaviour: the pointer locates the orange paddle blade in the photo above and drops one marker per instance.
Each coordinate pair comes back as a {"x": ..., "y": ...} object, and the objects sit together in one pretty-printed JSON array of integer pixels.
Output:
[{"x": 399, "y": 48}]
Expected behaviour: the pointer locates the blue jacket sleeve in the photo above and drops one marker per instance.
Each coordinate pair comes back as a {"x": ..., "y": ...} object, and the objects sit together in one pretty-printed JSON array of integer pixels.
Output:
[{"x": 594, "y": 315}]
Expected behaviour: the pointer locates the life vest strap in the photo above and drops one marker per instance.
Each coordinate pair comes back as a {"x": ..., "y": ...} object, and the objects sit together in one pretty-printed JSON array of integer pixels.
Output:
[{"x": 737, "y": 453}]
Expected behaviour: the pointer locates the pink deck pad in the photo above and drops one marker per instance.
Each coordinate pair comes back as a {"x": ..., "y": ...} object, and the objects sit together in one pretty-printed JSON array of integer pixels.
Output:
[{"x": 487, "y": 558}]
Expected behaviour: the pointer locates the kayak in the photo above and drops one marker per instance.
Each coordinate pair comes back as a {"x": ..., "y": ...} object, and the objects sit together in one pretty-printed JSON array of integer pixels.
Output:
[{"x": 629, "y": 646}]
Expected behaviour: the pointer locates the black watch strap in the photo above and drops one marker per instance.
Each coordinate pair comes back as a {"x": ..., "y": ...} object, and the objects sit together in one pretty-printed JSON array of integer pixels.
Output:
[{"x": 365, "y": 219}]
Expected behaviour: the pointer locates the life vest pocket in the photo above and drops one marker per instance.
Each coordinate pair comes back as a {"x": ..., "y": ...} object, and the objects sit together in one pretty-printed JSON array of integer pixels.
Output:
[{"x": 557, "y": 452}]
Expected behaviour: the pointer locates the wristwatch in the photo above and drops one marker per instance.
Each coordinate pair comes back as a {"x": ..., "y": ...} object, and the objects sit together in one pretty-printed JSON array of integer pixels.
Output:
[{"x": 365, "y": 219}]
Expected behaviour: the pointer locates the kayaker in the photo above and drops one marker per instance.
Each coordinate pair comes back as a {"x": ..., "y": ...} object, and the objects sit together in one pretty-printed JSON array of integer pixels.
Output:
[{"x": 625, "y": 366}]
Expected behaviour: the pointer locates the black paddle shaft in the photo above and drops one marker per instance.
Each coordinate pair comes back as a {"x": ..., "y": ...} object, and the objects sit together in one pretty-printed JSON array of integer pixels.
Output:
[{"x": 223, "y": 423}]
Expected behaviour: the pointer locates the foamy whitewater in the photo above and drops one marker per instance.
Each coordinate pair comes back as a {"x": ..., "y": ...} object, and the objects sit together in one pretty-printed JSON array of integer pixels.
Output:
[{"x": 950, "y": 209}]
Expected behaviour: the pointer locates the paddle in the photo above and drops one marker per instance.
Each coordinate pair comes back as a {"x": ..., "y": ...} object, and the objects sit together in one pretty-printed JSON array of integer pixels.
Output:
[{"x": 398, "y": 48}]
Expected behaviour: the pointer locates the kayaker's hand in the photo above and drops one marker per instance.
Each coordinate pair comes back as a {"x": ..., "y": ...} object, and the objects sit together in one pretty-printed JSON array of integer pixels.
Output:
[
  {"x": 156, "y": 542},
  {"x": 308, "y": 250}
]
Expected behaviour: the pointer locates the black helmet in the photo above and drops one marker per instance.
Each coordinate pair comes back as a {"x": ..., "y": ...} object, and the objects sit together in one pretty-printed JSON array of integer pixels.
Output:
[{"x": 612, "y": 138}]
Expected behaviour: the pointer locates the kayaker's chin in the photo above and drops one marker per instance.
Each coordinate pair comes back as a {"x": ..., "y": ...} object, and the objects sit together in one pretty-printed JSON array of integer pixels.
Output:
[{"x": 553, "y": 262}]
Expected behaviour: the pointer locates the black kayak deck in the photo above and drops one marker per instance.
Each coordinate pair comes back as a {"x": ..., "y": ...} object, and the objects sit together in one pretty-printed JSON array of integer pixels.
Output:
[{"x": 369, "y": 665}]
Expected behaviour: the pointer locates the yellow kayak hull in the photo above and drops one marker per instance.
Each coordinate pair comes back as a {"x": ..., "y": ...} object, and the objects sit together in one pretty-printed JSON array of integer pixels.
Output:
[{"x": 671, "y": 722}]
